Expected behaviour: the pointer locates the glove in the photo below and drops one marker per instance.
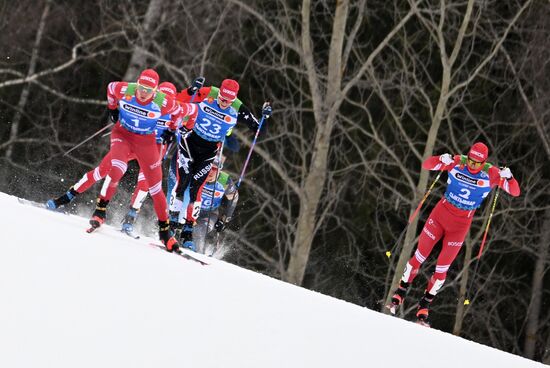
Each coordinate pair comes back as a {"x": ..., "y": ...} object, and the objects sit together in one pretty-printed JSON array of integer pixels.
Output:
[
  {"x": 184, "y": 132},
  {"x": 196, "y": 85},
  {"x": 505, "y": 173},
  {"x": 266, "y": 110},
  {"x": 113, "y": 116},
  {"x": 167, "y": 136},
  {"x": 219, "y": 226},
  {"x": 446, "y": 159}
]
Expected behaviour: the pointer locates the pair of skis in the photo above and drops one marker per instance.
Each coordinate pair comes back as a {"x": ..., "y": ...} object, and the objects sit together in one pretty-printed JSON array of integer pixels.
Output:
[
  {"x": 419, "y": 321},
  {"x": 184, "y": 253}
]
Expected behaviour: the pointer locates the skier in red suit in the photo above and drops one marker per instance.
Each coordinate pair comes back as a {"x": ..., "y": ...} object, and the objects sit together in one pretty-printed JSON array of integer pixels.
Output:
[
  {"x": 470, "y": 180},
  {"x": 99, "y": 172},
  {"x": 136, "y": 109}
]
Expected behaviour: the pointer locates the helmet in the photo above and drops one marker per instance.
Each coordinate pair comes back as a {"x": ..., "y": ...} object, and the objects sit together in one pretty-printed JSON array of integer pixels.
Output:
[{"x": 217, "y": 164}]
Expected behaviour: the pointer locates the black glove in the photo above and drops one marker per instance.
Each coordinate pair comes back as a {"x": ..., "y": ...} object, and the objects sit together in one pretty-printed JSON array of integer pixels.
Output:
[
  {"x": 266, "y": 110},
  {"x": 219, "y": 226},
  {"x": 196, "y": 85},
  {"x": 113, "y": 116},
  {"x": 167, "y": 136}
]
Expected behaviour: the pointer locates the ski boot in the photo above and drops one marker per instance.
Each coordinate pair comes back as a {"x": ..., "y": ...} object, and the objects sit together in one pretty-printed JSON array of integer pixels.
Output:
[
  {"x": 187, "y": 236},
  {"x": 54, "y": 204},
  {"x": 423, "y": 311},
  {"x": 175, "y": 225},
  {"x": 166, "y": 236},
  {"x": 128, "y": 222},
  {"x": 397, "y": 298},
  {"x": 98, "y": 217}
]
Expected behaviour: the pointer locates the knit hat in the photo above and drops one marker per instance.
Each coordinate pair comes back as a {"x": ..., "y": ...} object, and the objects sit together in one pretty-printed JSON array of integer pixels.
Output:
[
  {"x": 479, "y": 152},
  {"x": 229, "y": 89},
  {"x": 149, "y": 78},
  {"x": 168, "y": 88}
]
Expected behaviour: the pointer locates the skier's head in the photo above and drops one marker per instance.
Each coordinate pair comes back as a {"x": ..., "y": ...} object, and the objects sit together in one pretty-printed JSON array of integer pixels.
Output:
[
  {"x": 228, "y": 93},
  {"x": 147, "y": 84},
  {"x": 168, "y": 88},
  {"x": 477, "y": 156},
  {"x": 216, "y": 166}
]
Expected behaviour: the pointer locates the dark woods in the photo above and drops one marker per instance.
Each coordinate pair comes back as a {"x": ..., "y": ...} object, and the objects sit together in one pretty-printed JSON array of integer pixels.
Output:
[{"x": 362, "y": 92}]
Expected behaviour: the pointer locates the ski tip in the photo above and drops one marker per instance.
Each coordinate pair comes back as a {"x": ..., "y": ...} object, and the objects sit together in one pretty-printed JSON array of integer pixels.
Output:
[
  {"x": 423, "y": 323},
  {"x": 130, "y": 234},
  {"x": 392, "y": 308}
]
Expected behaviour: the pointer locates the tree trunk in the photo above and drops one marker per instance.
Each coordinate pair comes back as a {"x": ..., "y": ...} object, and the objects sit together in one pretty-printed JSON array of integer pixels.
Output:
[
  {"x": 26, "y": 88},
  {"x": 316, "y": 177},
  {"x": 138, "y": 61},
  {"x": 533, "y": 313}
]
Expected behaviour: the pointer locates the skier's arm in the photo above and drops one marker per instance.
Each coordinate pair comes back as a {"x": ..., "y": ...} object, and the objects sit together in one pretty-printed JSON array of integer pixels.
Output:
[
  {"x": 229, "y": 201},
  {"x": 247, "y": 117},
  {"x": 178, "y": 111},
  {"x": 186, "y": 94},
  {"x": 115, "y": 91},
  {"x": 441, "y": 162},
  {"x": 505, "y": 180}
]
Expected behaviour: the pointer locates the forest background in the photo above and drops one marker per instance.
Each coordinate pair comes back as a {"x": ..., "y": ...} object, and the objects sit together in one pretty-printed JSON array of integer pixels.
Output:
[{"x": 362, "y": 92}]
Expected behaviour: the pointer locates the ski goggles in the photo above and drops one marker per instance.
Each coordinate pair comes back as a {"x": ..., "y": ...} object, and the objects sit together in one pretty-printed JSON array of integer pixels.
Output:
[
  {"x": 145, "y": 89},
  {"x": 474, "y": 163}
]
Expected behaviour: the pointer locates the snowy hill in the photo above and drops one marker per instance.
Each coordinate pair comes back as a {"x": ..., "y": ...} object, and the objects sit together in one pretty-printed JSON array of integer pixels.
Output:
[{"x": 71, "y": 299}]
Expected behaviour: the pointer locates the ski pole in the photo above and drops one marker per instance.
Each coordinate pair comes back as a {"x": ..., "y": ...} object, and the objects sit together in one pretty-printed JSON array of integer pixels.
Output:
[
  {"x": 264, "y": 116},
  {"x": 424, "y": 199},
  {"x": 90, "y": 137},
  {"x": 389, "y": 252},
  {"x": 214, "y": 190},
  {"x": 489, "y": 221}
]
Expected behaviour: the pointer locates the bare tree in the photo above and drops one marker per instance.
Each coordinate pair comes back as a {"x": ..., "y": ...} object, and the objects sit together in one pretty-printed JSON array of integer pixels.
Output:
[{"x": 25, "y": 92}]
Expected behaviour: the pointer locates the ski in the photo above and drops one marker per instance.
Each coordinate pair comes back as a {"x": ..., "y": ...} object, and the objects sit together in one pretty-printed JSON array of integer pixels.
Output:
[
  {"x": 130, "y": 234},
  {"x": 182, "y": 253},
  {"x": 423, "y": 323},
  {"x": 91, "y": 229},
  {"x": 95, "y": 223},
  {"x": 392, "y": 308},
  {"x": 28, "y": 202}
]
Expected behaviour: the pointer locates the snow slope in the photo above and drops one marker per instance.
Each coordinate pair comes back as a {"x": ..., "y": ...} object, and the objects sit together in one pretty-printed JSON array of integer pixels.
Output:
[{"x": 71, "y": 299}]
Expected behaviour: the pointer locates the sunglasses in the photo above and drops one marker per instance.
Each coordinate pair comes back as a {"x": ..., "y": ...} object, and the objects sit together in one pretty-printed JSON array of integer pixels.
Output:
[
  {"x": 145, "y": 89},
  {"x": 473, "y": 163}
]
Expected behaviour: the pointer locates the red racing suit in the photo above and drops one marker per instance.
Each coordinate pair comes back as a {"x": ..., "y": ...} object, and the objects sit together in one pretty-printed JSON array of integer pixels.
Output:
[
  {"x": 450, "y": 219},
  {"x": 126, "y": 144}
]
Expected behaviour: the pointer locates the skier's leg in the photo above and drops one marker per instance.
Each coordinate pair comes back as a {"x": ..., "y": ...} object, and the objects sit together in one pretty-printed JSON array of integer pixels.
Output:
[
  {"x": 120, "y": 150},
  {"x": 197, "y": 182},
  {"x": 452, "y": 243},
  {"x": 455, "y": 232},
  {"x": 93, "y": 176},
  {"x": 185, "y": 169},
  {"x": 199, "y": 233},
  {"x": 431, "y": 233},
  {"x": 198, "y": 179},
  {"x": 149, "y": 160},
  {"x": 87, "y": 180}
]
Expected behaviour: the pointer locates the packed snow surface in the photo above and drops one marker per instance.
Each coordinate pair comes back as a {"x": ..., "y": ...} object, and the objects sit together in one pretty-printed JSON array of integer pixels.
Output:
[{"x": 72, "y": 299}]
